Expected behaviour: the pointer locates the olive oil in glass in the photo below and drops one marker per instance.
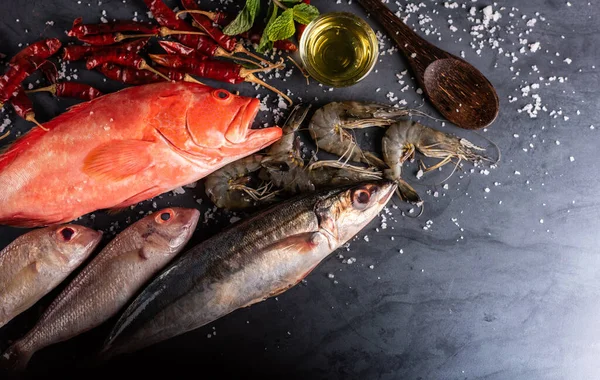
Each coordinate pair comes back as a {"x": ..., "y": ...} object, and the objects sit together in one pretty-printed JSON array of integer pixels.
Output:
[{"x": 338, "y": 49}]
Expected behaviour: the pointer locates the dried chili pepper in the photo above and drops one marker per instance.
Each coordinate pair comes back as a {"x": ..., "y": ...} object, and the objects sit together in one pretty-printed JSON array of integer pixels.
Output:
[
  {"x": 123, "y": 58},
  {"x": 79, "y": 29},
  {"x": 70, "y": 90},
  {"x": 24, "y": 107},
  {"x": 172, "y": 47},
  {"x": 48, "y": 68},
  {"x": 77, "y": 52},
  {"x": 203, "y": 44},
  {"x": 24, "y": 64},
  {"x": 130, "y": 75},
  {"x": 219, "y": 70},
  {"x": 226, "y": 42},
  {"x": 112, "y": 38}
]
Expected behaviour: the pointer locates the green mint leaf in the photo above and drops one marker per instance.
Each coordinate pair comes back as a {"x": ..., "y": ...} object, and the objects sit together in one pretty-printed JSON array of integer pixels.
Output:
[
  {"x": 305, "y": 13},
  {"x": 244, "y": 20},
  {"x": 266, "y": 44},
  {"x": 283, "y": 27}
]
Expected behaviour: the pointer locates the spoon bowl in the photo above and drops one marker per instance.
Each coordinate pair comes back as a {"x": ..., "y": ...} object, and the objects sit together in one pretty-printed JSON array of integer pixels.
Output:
[{"x": 461, "y": 93}]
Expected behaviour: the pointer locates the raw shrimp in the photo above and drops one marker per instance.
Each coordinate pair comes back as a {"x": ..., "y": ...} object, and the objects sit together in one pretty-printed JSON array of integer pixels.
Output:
[
  {"x": 283, "y": 164},
  {"x": 330, "y": 123},
  {"x": 229, "y": 187},
  {"x": 403, "y": 138}
]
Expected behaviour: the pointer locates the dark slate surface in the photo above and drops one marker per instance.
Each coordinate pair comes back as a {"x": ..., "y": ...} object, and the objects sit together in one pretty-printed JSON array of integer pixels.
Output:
[{"x": 487, "y": 291}]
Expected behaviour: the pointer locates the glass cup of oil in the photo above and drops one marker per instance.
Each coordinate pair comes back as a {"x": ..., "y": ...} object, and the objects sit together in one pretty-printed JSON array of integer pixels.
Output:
[{"x": 338, "y": 49}]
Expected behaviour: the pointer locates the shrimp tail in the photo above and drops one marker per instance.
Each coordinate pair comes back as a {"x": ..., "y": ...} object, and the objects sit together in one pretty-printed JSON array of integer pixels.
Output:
[
  {"x": 15, "y": 358},
  {"x": 407, "y": 193}
]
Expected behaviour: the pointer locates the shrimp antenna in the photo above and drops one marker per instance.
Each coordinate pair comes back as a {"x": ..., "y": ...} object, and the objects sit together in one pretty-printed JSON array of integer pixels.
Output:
[
  {"x": 421, "y": 207},
  {"x": 492, "y": 144}
]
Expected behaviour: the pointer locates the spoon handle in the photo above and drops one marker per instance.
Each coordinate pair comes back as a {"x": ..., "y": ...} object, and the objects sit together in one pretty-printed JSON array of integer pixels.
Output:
[{"x": 418, "y": 51}]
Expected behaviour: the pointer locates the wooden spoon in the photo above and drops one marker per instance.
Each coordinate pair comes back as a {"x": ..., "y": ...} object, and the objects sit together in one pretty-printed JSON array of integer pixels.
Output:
[{"x": 458, "y": 90}]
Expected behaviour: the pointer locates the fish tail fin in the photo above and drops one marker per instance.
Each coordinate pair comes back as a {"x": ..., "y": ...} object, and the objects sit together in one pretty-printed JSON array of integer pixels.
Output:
[{"x": 15, "y": 358}]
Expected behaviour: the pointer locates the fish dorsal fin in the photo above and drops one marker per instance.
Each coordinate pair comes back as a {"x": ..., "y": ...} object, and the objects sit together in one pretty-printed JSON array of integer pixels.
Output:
[{"x": 117, "y": 160}]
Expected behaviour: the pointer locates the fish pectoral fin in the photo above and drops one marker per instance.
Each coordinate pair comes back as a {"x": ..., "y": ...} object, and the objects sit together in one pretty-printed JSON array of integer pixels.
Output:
[
  {"x": 301, "y": 243},
  {"x": 117, "y": 160}
]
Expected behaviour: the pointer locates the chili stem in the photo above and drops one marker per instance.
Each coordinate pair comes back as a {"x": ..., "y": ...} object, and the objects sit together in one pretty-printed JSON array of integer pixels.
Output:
[
  {"x": 145, "y": 66},
  {"x": 51, "y": 89},
  {"x": 210, "y": 15},
  {"x": 31, "y": 117},
  {"x": 224, "y": 53},
  {"x": 5, "y": 135},
  {"x": 120, "y": 36},
  {"x": 241, "y": 49},
  {"x": 191, "y": 79}
]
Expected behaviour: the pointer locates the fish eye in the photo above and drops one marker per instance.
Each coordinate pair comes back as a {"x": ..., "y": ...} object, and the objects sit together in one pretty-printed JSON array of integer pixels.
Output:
[
  {"x": 361, "y": 198},
  {"x": 164, "y": 216},
  {"x": 67, "y": 233},
  {"x": 221, "y": 94}
]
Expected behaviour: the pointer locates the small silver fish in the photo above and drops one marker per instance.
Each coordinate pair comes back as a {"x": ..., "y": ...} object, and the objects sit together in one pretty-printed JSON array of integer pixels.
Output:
[
  {"x": 104, "y": 286},
  {"x": 35, "y": 263},
  {"x": 258, "y": 258}
]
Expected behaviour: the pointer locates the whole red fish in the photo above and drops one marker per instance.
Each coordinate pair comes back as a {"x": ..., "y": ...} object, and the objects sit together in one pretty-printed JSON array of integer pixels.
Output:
[{"x": 123, "y": 148}]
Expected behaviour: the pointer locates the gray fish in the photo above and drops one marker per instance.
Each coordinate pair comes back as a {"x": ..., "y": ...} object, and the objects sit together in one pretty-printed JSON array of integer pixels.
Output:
[
  {"x": 35, "y": 263},
  {"x": 104, "y": 286},
  {"x": 249, "y": 262}
]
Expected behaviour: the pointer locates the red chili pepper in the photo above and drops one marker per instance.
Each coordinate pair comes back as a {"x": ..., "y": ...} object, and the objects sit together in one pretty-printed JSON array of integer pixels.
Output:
[
  {"x": 77, "y": 52},
  {"x": 123, "y": 58},
  {"x": 21, "y": 103},
  {"x": 70, "y": 90},
  {"x": 226, "y": 42},
  {"x": 99, "y": 39},
  {"x": 24, "y": 107},
  {"x": 172, "y": 47},
  {"x": 25, "y": 63},
  {"x": 41, "y": 49},
  {"x": 48, "y": 68},
  {"x": 129, "y": 75},
  {"x": 80, "y": 30},
  {"x": 218, "y": 70},
  {"x": 203, "y": 44}
]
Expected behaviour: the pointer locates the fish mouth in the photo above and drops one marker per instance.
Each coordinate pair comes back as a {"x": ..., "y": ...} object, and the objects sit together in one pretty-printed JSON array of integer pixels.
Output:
[
  {"x": 388, "y": 188},
  {"x": 238, "y": 131}
]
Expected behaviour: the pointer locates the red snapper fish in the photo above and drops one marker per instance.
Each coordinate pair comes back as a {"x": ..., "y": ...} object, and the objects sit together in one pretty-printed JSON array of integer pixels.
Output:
[{"x": 123, "y": 148}]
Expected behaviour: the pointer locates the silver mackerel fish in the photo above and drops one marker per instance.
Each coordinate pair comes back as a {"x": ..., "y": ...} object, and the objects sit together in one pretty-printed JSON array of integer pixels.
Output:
[{"x": 249, "y": 262}]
